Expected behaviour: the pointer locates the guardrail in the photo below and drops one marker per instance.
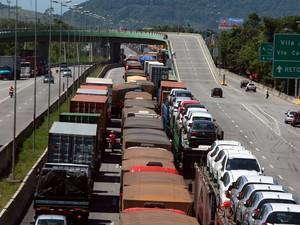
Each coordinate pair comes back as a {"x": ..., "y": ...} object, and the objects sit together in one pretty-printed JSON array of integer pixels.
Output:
[{"x": 17, "y": 206}]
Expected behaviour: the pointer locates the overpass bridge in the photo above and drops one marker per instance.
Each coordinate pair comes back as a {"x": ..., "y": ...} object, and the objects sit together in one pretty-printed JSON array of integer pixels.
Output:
[{"x": 113, "y": 37}]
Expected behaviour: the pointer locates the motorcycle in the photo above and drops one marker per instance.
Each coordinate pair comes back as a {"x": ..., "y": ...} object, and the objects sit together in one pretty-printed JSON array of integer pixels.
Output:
[{"x": 11, "y": 93}]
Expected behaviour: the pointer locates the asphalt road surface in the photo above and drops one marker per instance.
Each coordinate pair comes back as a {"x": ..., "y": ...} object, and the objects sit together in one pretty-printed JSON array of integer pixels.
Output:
[
  {"x": 25, "y": 89},
  {"x": 248, "y": 117}
]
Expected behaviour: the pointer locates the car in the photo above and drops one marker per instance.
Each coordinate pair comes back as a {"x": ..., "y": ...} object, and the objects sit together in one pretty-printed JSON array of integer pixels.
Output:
[
  {"x": 202, "y": 132},
  {"x": 176, "y": 103},
  {"x": 66, "y": 72},
  {"x": 244, "y": 83},
  {"x": 226, "y": 180},
  {"x": 172, "y": 94},
  {"x": 182, "y": 107},
  {"x": 197, "y": 116},
  {"x": 242, "y": 182},
  {"x": 214, "y": 149},
  {"x": 290, "y": 115},
  {"x": 218, "y": 155},
  {"x": 256, "y": 201},
  {"x": 51, "y": 220},
  {"x": 250, "y": 87},
  {"x": 247, "y": 194},
  {"x": 216, "y": 92},
  {"x": 183, "y": 93},
  {"x": 190, "y": 111},
  {"x": 48, "y": 78},
  {"x": 296, "y": 119},
  {"x": 278, "y": 213}
]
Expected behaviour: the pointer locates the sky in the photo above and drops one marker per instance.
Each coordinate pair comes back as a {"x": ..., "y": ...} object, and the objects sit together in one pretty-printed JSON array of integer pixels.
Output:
[{"x": 42, "y": 5}]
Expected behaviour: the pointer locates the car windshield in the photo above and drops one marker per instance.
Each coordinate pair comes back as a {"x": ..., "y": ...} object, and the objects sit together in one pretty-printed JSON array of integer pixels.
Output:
[
  {"x": 242, "y": 164},
  {"x": 183, "y": 94},
  {"x": 284, "y": 218},
  {"x": 203, "y": 126},
  {"x": 50, "y": 222},
  {"x": 201, "y": 118}
]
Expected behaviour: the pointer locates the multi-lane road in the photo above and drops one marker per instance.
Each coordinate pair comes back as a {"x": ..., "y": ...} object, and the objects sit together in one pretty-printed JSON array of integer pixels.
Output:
[
  {"x": 245, "y": 116},
  {"x": 25, "y": 102}
]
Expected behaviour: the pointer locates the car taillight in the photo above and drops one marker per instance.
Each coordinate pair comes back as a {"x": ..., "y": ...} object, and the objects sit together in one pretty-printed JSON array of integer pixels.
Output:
[{"x": 226, "y": 204}]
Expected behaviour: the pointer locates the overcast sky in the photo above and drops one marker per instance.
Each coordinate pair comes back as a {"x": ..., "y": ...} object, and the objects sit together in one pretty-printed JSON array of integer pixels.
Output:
[{"x": 42, "y": 4}]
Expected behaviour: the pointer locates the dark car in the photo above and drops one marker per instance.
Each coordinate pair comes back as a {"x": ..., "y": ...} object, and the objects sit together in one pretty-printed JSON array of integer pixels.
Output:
[
  {"x": 217, "y": 92},
  {"x": 48, "y": 78},
  {"x": 296, "y": 119},
  {"x": 244, "y": 83},
  {"x": 202, "y": 132}
]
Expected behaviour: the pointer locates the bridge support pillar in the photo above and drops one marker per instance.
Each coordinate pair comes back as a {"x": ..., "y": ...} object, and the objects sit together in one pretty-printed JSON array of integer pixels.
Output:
[{"x": 115, "y": 52}]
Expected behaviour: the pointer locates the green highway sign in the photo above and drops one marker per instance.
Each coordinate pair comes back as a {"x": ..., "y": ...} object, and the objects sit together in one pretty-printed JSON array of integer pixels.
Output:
[
  {"x": 266, "y": 52},
  {"x": 286, "y": 62}
]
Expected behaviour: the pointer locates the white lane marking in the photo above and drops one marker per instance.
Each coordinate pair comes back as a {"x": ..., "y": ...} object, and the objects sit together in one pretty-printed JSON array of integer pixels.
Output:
[
  {"x": 271, "y": 166},
  {"x": 8, "y": 115},
  {"x": 280, "y": 177},
  {"x": 241, "y": 131},
  {"x": 1, "y": 121},
  {"x": 257, "y": 149},
  {"x": 232, "y": 121},
  {"x": 206, "y": 59},
  {"x": 222, "y": 110},
  {"x": 262, "y": 120},
  {"x": 236, "y": 126},
  {"x": 226, "y": 114},
  {"x": 250, "y": 142},
  {"x": 291, "y": 188},
  {"x": 246, "y": 136},
  {"x": 264, "y": 157}
]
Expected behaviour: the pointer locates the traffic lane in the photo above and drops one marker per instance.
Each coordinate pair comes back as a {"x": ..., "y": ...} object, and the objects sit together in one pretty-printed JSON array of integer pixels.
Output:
[
  {"x": 116, "y": 75},
  {"x": 247, "y": 121}
]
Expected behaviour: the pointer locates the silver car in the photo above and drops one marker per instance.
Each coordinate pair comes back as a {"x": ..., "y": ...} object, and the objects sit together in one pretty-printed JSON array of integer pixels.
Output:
[
  {"x": 256, "y": 201},
  {"x": 248, "y": 192},
  {"x": 278, "y": 213},
  {"x": 290, "y": 115},
  {"x": 66, "y": 72},
  {"x": 239, "y": 186},
  {"x": 250, "y": 87}
]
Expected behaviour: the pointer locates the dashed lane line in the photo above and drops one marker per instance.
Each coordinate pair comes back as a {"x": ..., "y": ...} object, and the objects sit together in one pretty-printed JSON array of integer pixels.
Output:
[
  {"x": 264, "y": 157},
  {"x": 250, "y": 142},
  {"x": 271, "y": 166},
  {"x": 246, "y": 136},
  {"x": 257, "y": 149},
  {"x": 280, "y": 177},
  {"x": 291, "y": 188}
]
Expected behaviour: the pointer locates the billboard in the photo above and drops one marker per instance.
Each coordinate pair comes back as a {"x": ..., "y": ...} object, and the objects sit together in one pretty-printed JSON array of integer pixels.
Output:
[{"x": 230, "y": 23}]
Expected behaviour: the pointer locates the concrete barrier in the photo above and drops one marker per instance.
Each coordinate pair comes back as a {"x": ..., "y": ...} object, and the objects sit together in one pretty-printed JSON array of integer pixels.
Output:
[{"x": 17, "y": 206}]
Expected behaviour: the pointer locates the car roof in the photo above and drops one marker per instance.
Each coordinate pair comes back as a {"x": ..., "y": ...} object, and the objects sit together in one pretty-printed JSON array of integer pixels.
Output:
[
  {"x": 185, "y": 102},
  {"x": 197, "y": 109},
  {"x": 273, "y": 187},
  {"x": 244, "y": 154},
  {"x": 235, "y": 174},
  {"x": 227, "y": 142},
  {"x": 284, "y": 207},
  {"x": 203, "y": 113},
  {"x": 179, "y": 89},
  {"x": 275, "y": 195},
  {"x": 259, "y": 178},
  {"x": 225, "y": 147}
]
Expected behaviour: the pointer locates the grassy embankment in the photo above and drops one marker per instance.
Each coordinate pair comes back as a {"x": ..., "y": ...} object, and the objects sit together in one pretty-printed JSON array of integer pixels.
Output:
[{"x": 27, "y": 156}]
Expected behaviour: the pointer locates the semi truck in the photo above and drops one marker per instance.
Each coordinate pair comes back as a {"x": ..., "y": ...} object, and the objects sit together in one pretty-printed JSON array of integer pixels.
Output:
[
  {"x": 7, "y": 65},
  {"x": 64, "y": 189}
]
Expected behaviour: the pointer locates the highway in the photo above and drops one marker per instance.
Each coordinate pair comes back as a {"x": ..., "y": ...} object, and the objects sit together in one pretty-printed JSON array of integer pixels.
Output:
[
  {"x": 245, "y": 116},
  {"x": 25, "y": 89}
]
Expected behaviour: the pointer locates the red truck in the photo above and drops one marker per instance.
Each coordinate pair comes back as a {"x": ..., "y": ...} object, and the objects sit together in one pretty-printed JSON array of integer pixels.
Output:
[{"x": 28, "y": 62}]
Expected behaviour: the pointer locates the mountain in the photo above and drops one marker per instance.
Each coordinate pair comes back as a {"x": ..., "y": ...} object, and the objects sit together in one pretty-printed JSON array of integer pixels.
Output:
[{"x": 200, "y": 14}]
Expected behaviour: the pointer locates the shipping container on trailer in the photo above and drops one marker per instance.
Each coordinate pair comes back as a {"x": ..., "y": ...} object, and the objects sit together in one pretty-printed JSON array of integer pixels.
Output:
[
  {"x": 134, "y": 72},
  {"x": 138, "y": 95},
  {"x": 90, "y": 104},
  {"x": 168, "y": 196},
  {"x": 129, "y": 103},
  {"x": 154, "y": 216},
  {"x": 82, "y": 91},
  {"x": 103, "y": 82},
  {"x": 74, "y": 143},
  {"x": 94, "y": 87},
  {"x": 134, "y": 79},
  {"x": 157, "y": 74},
  {"x": 143, "y": 122},
  {"x": 142, "y": 152}
]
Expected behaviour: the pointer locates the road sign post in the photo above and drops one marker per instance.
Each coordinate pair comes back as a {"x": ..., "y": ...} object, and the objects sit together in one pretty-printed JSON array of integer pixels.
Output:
[
  {"x": 266, "y": 52},
  {"x": 286, "y": 54}
]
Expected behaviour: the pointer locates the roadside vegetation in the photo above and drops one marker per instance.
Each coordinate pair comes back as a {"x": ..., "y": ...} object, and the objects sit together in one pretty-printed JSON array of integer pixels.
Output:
[{"x": 239, "y": 48}]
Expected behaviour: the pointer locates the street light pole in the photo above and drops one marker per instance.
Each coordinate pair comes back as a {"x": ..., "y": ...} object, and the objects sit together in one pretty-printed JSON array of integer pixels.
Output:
[
  {"x": 13, "y": 175},
  {"x": 49, "y": 64},
  {"x": 34, "y": 71}
]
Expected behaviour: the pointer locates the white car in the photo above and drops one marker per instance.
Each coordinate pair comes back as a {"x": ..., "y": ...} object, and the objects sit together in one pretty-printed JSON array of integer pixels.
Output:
[
  {"x": 196, "y": 116},
  {"x": 176, "y": 103},
  {"x": 250, "y": 87},
  {"x": 189, "y": 111},
  {"x": 242, "y": 161},
  {"x": 219, "y": 167},
  {"x": 278, "y": 213},
  {"x": 226, "y": 180},
  {"x": 219, "y": 155},
  {"x": 178, "y": 92},
  {"x": 214, "y": 148},
  {"x": 51, "y": 220},
  {"x": 256, "y": 201},
  {"x": 290, "y": 115},
  {"x": 238, "y": 187}
]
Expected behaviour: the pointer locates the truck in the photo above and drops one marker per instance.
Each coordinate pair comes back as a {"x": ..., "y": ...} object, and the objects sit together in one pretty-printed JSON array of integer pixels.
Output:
[
  {"x": 64, "y": 189},
  {"x": 7, "y": 65},
  {"x": 158, "y": 73},
  {"x": 27, "y": 66}
]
